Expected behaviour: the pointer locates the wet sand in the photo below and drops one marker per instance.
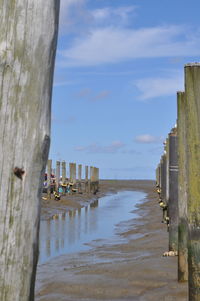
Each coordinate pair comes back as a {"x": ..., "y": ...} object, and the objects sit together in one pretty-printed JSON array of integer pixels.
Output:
[{"x": 134, "y": 270}]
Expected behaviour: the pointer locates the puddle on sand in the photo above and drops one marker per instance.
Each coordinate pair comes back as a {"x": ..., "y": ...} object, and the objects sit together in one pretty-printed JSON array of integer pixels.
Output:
[{"x": 73, "y": 231}]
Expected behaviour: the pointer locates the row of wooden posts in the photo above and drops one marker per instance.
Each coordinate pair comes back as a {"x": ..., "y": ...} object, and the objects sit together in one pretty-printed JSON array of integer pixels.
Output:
[
  {"x": 178, "y": 182},
  {"x": 89, "y": 183}
]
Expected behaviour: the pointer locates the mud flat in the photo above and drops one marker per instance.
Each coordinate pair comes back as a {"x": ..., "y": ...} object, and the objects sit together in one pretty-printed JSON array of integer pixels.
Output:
[{"x": 132, "y": 269}]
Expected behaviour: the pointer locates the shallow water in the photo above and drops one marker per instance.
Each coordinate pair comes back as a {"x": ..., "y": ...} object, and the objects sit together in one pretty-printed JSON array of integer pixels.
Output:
[{"x": 74, "y": 231}]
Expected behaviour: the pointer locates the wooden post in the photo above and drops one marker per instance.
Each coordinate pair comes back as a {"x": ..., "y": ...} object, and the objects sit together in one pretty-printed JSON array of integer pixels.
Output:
[
  {"x": 79, "y": 177},
  {"x": 91, "y": 178},
  {"x": 63, "y": 177},
  {"x": 157, "y": 175},
  {"x": 72, "y": 170},
  {"x": 57, "y": 174},
  {"x": 173, "y": 191},
  {"x": 182, "y": 190},
  {"x": 63, "y": 172},
  {"x": 192, "y": 98},
  {"x": 163, "y": 182},
  {"x": 49, "y": 169},
  {"x": 163, "y": 178},
  {"x": 167, "y": 169},
  {"x": 72, "y": 167},
  {"x": 158, "y": 184},
  {"x": 97, "y": 179},
  {"x": 28, "y": 45},
  {"x": 160, "y": 174},
  {"x": 54, "y": 171},
  {"x": 86, "y": 179}
]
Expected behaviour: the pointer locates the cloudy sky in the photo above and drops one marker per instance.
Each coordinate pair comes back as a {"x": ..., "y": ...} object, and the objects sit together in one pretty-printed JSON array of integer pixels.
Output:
[{"x": 119, "y": 65}]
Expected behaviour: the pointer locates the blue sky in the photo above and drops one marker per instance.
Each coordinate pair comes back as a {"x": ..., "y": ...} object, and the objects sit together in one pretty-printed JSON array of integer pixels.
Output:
[{"x": 119, "y": 65}]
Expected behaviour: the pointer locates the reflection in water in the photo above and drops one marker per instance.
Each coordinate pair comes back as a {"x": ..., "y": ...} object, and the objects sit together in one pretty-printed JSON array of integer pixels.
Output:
[
  {"x": 70, "y": 231},
  {"x": 48, "y": 242},
  {"x": 94, "y": 204}
]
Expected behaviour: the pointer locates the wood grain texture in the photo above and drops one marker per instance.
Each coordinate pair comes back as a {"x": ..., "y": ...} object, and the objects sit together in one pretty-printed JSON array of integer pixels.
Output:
[
  {"x": 163, "y": 177},
  {"x": 182, "y": 190},
  {"x": 86, "y": 179},
  {"x": 64, "y": 172},
  {"x": 192, "y": 94},
  {"x": 173, "y": 192},
  {"x": 72, "y": 171},
  {"x": 49, "y": 172},
  {"x": 27, "y": 52},
  {"x": 79, "y": 178},
  {"x": 57, "y": 174}
]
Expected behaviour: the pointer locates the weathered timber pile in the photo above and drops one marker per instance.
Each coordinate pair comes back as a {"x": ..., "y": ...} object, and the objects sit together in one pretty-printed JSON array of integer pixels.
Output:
[{"x": 178, "y": 183}]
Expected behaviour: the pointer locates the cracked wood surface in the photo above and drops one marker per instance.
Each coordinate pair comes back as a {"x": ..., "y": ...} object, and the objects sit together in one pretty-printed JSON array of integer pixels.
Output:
[{"x": 28, "y": 40}]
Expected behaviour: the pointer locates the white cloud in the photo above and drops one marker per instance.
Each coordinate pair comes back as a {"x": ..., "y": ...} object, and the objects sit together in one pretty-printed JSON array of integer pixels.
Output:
[
  {"x": 76, "y": 17},
  {"x": 114, "y": 44},
  {"x": 113, "y": 16},
  {"x": 114, "y": 147},
  {"x": 101, "y": 14},
  {"x": 91, "y": 96},
  {"x": 125, "y": 11},
  {"x": 72, "y": 14},
  {"x": 146, "y": 138},
  {"x": 159, "y": 87},
  {"x": 66, "y": 4}
]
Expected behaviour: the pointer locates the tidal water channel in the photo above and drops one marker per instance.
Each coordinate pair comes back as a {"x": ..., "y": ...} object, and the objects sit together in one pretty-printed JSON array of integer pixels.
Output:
[{"x": 74, "y": 231}]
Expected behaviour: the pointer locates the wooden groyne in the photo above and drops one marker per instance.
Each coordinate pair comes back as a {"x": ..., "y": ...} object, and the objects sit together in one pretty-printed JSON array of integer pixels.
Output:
[
  {"x": 70, "y": 179},
  {"x": 178, "y": 183}
]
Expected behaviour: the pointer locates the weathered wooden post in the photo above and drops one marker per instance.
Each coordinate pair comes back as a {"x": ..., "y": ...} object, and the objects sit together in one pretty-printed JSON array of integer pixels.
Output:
[
  {"x": 64, "y": 172},
  {"x": 57, "y": 174},
  {"x": 173, "y": 191},
  {"x": 182, "y": 190},
  {"x": 79, "y": 178},
  {"x": 63, "y": 177},
  {"x": 72, "y": 175},
  {"x": 192, "y": 98},
  {"x": 163, "y": 177},
  {"x": 91, "y": 179},
  {"x": 54, "y": 171},
  {"x": 160, "y": 174},
  {"x": 27, "y": 52},
  {"x": 167, "y": 169},
  {"x": 97, "y": 179},
  {"x": 163, "y": 186},
  {"x": 157, "y": 176},
  {"x": 49, "y": 169},
  {"x": 161, "y": 166},
  {"x": 165, "y": 194},
  {"x": 86, "y": 179}
]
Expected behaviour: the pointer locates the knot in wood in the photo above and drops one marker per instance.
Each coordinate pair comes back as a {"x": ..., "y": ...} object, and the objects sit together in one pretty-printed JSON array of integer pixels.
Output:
[{"x": 19, "y": 172}]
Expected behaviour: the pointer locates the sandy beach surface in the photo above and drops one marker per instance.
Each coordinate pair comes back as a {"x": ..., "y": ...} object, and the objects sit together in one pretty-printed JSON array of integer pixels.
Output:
[{"x": 134, "y": 270}]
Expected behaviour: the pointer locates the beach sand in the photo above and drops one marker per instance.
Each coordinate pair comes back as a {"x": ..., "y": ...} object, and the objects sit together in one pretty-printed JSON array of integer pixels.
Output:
[{"x": 131, "y": 270}]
